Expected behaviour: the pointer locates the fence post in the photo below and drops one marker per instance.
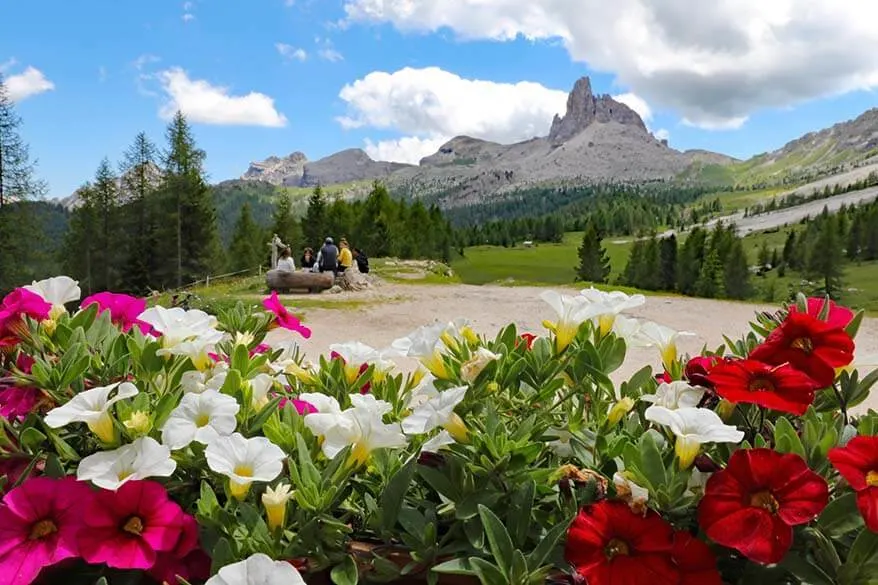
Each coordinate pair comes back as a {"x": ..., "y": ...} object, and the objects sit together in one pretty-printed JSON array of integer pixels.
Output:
[{"x": 207, "y": 281}]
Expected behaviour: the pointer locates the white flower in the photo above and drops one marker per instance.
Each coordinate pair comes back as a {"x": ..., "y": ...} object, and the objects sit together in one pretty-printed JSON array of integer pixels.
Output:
[
  {"x": 323, "y": 403},
  {"x": 355, "y": 354},
  {"x": 471, "y": 369},
  {"x": 200, "y": 417},
  {"x": 244, "y": 461},
  {"x": 142, "y": 459},
  {"x": 424, "y": 391},
  {"x": 693, "y": 427},
  {"x": 629, "y": 329},
  {"x": 561, "y": 446},
  {"x": 425, "y": 344},
  {"x": 191, "y": 333},
  {"x": 435, "y": 412},
  {"x": 257, "y": 569},
  {"x": 260, "y": 385},
  {"x": 360, "y": 426},
  {"x": 610, "y": 304},
  {"x": 676, "y": 395},
  {"x": 572, "y": 313},
  {"x": 196, "y": 382},
  {"x": 635, "y": 495},
  {"x": 92, "y": 407},
  {"x": 275, "y": 502},
  {"x": 57, "y": 291},
  {"x": 442, "y": 439},
  {"x": 665, "y": 338}
]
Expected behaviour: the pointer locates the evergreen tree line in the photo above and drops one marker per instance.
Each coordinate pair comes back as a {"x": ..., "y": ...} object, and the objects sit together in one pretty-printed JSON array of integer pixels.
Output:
[
  {"x": 711, "y": 264},
  {"x": 794, "y": 199}
]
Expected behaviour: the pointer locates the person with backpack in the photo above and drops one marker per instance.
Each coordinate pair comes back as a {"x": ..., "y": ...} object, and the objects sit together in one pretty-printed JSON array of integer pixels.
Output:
[{"x": 328, "y": 257}]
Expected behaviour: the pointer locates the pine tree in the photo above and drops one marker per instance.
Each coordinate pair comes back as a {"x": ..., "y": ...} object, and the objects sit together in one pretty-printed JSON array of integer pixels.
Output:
[
  {"x": 825, "y": 258},
  {"x": 105, "y": 204},
  {"x": 79, "y": 243},
  {"x": 192, "y": 230},
  {"x": 764, "y": 257},
  {"x": 285, "y": 224},
  {"x": 594, "y": 265},
  {"x": 690, "y": 261},
  {"x": 790, "y": 255},
  {"x": 710, "y": 282},
  {"x": 668, "y": 263},
  {"x": 314, "y": 222},
  {"x": 19, "y": 233},
  {"x": 245, "y": 251},
  {"x": 737, "y": 272},
  {"x": 140, "y": 174}
]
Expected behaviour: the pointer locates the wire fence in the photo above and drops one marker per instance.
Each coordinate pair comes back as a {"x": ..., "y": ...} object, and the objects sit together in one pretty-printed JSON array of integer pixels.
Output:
[{"x": 207, "y": 280}]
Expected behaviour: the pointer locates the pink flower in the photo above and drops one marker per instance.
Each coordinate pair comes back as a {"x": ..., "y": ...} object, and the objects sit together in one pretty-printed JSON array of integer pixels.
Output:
[
  {"x": 301, "y": 406},
  {"x": 39, "y": 523},
  {"x": 17, "y": 402},
  {"x": 367, "y": 387},
  {"x": 185, "y": 560},
  {"x": 17, "y": 304},
  {"x": 24, "y": 363},
  {"x": 124, "y": 310},
  {"x": 260, "y": 349},
  {"x": 126, "y": 529},
  {"x": 283, "y": 317}
]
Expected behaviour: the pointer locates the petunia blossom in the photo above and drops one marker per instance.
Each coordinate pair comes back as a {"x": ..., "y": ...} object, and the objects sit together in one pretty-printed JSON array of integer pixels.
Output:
[
  {"x": 111, "y": 470},
  {"x": 39, "y": 523},
  {"x": 244, "y": 461},
  {"x": 201, "y": 418},
  {"x": 857, "y": 462},
  {"x": 665, "y": 338},
  {"x": 425, "y": 344},
  {"x": 257, "y": 569},
  {"x": 16, "y": 402},
  {"x": 438, "y": 412},
  {"x": 607, "y": 305},
  {"x": 124, "y": 309},
  {"x": 693, "y": 427},
  {"x": 57, "y": 291},
  {"x": 694, "y": 560},
  {"x": 127, "y": 529},
  {"x": 189, "y": 333},
  {"x": 675, "y": 395},
  {"x": 93, "y": 408},
  {"x": 572, "y": 312},
  {"x": 753, "y": 503},
  {"x": 698, "y": 369},
  {"x": 782, "y": 387},
  {"x": 186, "y": 559},
  {"x": 808, "y": 344},
  {"x": 836, "y": 315},
  {"x": 609, "y": 544},
  {"x": 283, "y": 318},
  {"x": 357, "y": 357},
  {"x": 18, "y": 304},
  {"x": 474, "y": 366}
]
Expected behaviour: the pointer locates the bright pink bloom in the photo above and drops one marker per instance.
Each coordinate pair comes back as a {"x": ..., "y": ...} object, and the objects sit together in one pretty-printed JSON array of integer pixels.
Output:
[
  {"x": 24, "y": 363},
  {"x": 17, "y": 402},
  {"x": 39, "y": 523},
  {"x": 301, "y": 406},
  {"x": 124, "y": 309},
  {"x": 664, "y": 378},
  {"x": 283, "y": 317},
  {"x": 838, "y": 316},
  {"x": 186, "y": 559},
  {"x": 260, "y": 349},
  {"x": 126, "y": 529},
  {"x": 17, "y": 304}
]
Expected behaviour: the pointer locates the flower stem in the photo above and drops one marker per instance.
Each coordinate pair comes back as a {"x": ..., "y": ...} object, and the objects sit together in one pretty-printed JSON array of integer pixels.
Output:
[{"x": 841, "y": 402}]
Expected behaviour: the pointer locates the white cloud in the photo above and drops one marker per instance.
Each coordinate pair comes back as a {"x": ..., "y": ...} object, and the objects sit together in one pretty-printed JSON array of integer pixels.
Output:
[
  {"x": 330, "y": 55},
  {"x": 714, "y": 62},
  {"x": 188, "y": 7},
  {"x": 290, "y": 52},
  {"x": 662, "y": 134},
  {"x": 28, "y": 83},
  {"x": 408, "y": 149},
  {"x": 636, "y": 103},
  {"x": 209, "y": 104}
]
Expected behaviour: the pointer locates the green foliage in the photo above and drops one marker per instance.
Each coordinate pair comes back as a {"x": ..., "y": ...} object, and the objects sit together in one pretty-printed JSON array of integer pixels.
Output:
[
  {"x": 245, "y": 251},
  {"x": 594, "y": 265}
]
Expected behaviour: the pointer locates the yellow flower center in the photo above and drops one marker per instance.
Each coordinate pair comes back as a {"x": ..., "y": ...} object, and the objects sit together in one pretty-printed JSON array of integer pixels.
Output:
[
  {"x": 872, "y": 478},
  {"x": 616, "y": 547},
  {"x": 42, "y": 529},
  {"x": 804, "y": 344},
  {"x": 760, "y": 385},
  {"x": 764, "y": 500},
  {"x": 124, "y": 474},
  {"x": 606, "y": 322},
  {"x": 104, "y": 428},
  {"x": 243, "y": 471},
  {"x": 134, "y": 526},
  {"x": 201, "y": 421}
]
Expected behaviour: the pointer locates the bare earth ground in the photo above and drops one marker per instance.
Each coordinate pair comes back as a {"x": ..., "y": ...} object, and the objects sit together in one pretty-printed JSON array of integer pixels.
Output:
[{"x": 393, "y": 310}]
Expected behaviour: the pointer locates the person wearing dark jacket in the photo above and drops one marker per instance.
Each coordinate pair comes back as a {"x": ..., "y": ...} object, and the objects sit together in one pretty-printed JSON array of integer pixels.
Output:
[
  {"x": 308, "y": 259},
  {"x": 328, "y": 257},
  {"x": 361, "y": 260}
]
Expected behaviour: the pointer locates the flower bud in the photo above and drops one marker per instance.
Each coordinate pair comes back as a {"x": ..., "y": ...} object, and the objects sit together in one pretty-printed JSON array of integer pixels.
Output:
[
  {"x": 619, "y": 410},
  {"x": 434, "y": 460},
  {"x": 470, "y": 336},
  {"x": 457, "y": 428},
  {"x": 275, "y": 502},
  {"x": 705, "y": 464},
  {"x": 449, "y": 341},
  {"x": 138, "y": 423},
  {"x": 725, "y": 409}
]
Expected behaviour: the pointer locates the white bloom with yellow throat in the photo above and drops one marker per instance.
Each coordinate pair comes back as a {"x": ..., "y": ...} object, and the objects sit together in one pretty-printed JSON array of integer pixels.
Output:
[
  {"x": 676, "y": 395},
  {"x": 438, "y": 412},
  {"x": 664, "y": 338},
  {"x": 355, "y": 354},
  {"x": 610, "y": 304},
  {"x": 189, "y": 333},
  {"x": 260, "y": 385},
  {"x": 572, "y": 312},
  {"x": 275, "y": 502},
  {"x": 244, "y": 461},
  {"x": 92, "y": 407},
  {"x": 362, "y": 426},
  {"x": 474, "y": 366},
  {"x": 257, "y": 569},
  {"x": 425, "y": 344},
  {"x": 693, "y": 427},
  {"x": 142, "y": 459},
  {"x": 201, "y": 418},
  {"x": 57, "y": 291}
]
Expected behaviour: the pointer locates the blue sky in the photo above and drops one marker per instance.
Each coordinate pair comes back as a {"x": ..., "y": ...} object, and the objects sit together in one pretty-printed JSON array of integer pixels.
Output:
[{"x": 396, "y": 80}]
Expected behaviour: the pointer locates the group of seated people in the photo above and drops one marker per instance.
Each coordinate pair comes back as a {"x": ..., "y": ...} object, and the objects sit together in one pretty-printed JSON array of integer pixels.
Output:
[{"x": 330, "y": 258}]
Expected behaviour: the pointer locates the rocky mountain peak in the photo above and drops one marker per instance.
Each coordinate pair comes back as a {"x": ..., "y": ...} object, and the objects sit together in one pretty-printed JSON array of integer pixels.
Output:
[
  {"x": 584, "y": 108},
  {"x": 286, "y": 170}
]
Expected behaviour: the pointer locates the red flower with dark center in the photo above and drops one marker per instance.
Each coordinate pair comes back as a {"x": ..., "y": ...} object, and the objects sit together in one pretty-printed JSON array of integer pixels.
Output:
[
  {"x": 695, "y": 561},
  {"x": 780, "y": 387},
  {"x": 608, "y": 544},
  {"x": 838, "y": 316},
  {"x": 698, "y": 368},
  {"x": 752, "y": 504},
  {"x": 810, "y": 345},
  {"x": 857, "y": 462}
]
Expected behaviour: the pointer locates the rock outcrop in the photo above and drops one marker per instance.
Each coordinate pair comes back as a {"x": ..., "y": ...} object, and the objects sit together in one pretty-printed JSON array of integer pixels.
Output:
[
  {"x": 584, "y": 109},
  {"x": 346, "y": 166},
  {"x": 286, "y": 170}
]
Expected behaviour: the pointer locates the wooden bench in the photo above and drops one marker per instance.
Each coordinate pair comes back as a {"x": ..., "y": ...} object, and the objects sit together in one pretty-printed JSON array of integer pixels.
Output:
[{"x": 313, "y": 282}]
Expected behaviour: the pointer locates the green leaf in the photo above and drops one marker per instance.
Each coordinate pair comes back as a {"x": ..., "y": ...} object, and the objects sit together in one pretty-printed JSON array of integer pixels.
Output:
[
  {"x": 438, "y": 482},
  {"x": 345, "y": 573},
  {"x": 808, "y": 573},
  {"x": 786, "y": 440},
  {"x": 222, "y": 555},
  {"x": 546, "y": 546},
  {"x": 53, "y": 467},
  {"x": 652, "y": 465},
  {"x": 488, "y": 574},
  {"x": 101, "y": 581},
  {"x": 207, "y": 502},
  {"x": 854, "y": 326},
  {"x": 455, "y": 567},
  {"x": 498, "y": 540},
  {"x": 865, "y": 549},
  {"x": 31, "y": 439},
  {"x": 841, "y": 516},
  {"x": 394, "y": 494},
  {"x": 263, "y": 415},
  {"x": 519, "y": 522}
]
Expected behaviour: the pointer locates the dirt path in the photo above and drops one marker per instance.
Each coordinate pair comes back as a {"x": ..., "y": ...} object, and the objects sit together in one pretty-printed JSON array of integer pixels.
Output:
[{"x": 393, "y": 311}]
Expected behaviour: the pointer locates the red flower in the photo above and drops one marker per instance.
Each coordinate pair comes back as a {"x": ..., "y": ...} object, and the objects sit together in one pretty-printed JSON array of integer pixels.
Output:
[
  {"x": 186, "y": 559},
  {"x": 528, "y": 339},
  {"x": 810, "y": 345},
  {"x": 608, "y": 544},
  {"x": 284, "y": 318},
  {"x": 694, "y": 560},
  {"x": 17, "y": 402},
  {"x": 857, "y": 462},
  {"x": 838, "y": 315},
  {"x": 698, "y": 368},
  {"x": 752, "y": 504},
  {"x": 664, "y": 378},
  {"x": 781, "y": 387},
  {"x": 126, "y": 529}
]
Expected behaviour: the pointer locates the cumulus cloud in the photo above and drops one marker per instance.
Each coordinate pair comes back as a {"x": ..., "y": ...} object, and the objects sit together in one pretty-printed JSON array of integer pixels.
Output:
[
  {"x": 291, "y": 53},
  {"x": 662, "y": 134},
  {"x": 28, "y": 83},
  {"x": 636, "y": 103},
  {"x": 210, "y": 104},
  {"x": 431, "y": 105},
  {"x": 714, "y": 62}
]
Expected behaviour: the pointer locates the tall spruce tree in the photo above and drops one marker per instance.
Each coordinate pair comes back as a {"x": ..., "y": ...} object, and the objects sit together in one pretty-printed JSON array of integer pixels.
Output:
[
  {"x": 314, "y": 222},
  {"x": 594, "y": 265},
  {"x": 140, "y": 174},
  {"x": 105, "y": 204},
  {"x": 80, "y": 245},
  {"x": 710, "y": 283},
  {"x": 245, "y": 251},
  {"x": 20, "y": 234},
  {"x": 826, "y": 258},
  {"x": 192, "y": 230},
  {"x": 737, "y": 271},
  {"x": 668, "y": 263},
  {"x": 285, "y": 224}
]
